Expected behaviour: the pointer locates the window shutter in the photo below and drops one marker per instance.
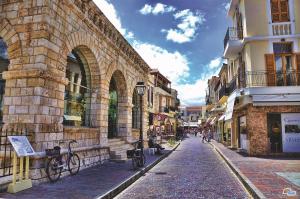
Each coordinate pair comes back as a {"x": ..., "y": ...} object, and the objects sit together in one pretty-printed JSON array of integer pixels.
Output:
[
  {"x": 270, "y": 68},
  {"x": 284, "y": 10},
  {"x": 298, "y": 68},
  {"x": 275, "y": 10}
]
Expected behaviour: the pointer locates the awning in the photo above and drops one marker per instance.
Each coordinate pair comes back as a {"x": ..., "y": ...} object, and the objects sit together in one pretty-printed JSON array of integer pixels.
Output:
[
  {"x": 222, "y": 117},
  {"x": 230, "y": 106},
  {"x": 273, "y": 100},
  {"x": 213, "y": 121}
]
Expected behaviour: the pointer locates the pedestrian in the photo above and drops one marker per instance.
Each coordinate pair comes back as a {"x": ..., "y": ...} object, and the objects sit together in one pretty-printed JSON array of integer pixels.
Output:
[
  {"x": 204, "y": 134},
  {"x": 152, "y": 143},
  {"x": 195, "y": 132},
  {"x": 209, "y": 136}
]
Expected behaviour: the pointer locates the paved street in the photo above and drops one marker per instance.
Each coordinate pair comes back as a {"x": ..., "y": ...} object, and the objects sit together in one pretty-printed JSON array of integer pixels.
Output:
[{"x": 194, "y": 170}]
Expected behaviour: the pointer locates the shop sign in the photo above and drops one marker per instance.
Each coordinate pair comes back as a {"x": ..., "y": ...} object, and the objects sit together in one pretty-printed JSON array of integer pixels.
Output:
[
  {"x": 291, "y": 132},
  {"x": 21, "y": 145}
]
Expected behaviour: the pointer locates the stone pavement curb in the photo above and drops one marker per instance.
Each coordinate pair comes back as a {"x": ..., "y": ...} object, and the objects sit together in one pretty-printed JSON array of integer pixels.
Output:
[
  {"x": 126, "y": 183},
  {"x": 254, "y": 191}
]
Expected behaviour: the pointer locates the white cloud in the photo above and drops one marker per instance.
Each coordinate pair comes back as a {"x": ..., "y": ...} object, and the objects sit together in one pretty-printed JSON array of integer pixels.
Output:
[
  {"x": 110, "y": 12},
  {"x": 186, "y": 29},
  {"x": 227, "y": 6},
  {"x": 173, "y": 65},
  {"x": 159, "y": 8},
  {"x": 196, "y": 91},
  {"x": 215, "y": 63}
]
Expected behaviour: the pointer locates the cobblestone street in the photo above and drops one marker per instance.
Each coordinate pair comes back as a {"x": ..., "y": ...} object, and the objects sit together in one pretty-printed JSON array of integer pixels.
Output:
[{"x": 194, "y": 170}]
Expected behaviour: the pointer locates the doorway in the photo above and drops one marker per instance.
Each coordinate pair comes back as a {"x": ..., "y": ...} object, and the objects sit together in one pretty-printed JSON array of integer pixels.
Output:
[{"x": 275, "y": 132}]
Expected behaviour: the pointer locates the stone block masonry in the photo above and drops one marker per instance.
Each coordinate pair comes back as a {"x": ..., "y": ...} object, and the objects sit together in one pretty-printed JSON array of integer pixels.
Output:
[{"x": 39, "y": 35}]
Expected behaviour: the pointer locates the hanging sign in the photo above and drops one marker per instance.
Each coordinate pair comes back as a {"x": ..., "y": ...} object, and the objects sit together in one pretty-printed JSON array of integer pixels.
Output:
[
  {"x": 21, "y": 145},
  {"x": 290, "y": 132}
]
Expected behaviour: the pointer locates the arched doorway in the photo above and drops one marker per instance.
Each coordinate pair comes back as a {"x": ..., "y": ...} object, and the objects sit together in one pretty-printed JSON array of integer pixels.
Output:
[
  {"x": 78, "y": 92},
  {"x": 118, "y": 106},
  {"x": 113, "y": 109},
  {"x": 4, "y": 62}
]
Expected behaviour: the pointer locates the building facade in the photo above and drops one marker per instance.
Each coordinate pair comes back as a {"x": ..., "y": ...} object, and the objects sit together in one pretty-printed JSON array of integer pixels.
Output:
[
  {"x": 164, "y": 104},
  {"x": 67, "y": 73},
  {"x": 263, "y": 56}
]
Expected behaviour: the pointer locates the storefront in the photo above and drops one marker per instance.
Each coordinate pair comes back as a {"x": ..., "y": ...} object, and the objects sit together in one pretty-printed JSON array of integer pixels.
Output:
[{"x": 284, "y": 132}]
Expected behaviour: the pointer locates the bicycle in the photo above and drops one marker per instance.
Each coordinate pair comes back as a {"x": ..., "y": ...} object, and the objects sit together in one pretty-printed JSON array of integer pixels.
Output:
[
  {"x": 56, "y": 164},
  {"x": 137, "y": 155}
]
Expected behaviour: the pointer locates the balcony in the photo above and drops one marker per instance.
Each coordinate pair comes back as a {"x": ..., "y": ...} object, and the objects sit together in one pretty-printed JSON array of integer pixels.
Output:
[
  {"x": 283, "y": 28},
  {"x": 267, "y": 78},
  {"x": 164, "y": 109},
  {"x": 232, "y": 85},
  {"x": 233, "y": 41},
  {"x": 224, "y": 91},
  {"x": 165, "y": 88}
]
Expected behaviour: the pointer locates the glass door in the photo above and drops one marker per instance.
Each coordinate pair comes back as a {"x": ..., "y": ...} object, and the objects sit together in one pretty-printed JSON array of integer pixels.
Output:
[{"x": 285, "y": 74}]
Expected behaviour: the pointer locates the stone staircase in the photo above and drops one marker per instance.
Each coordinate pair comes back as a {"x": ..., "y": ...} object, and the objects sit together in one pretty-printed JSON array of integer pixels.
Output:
[{"x": 118, "y": 148}]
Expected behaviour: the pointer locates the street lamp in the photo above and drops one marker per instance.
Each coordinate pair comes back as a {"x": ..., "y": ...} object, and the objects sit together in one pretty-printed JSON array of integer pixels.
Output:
[{"x": 140, "y": 87}]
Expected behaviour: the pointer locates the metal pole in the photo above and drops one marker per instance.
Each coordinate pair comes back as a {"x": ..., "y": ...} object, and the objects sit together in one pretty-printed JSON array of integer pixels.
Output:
[{"x": 141, "y": 124}]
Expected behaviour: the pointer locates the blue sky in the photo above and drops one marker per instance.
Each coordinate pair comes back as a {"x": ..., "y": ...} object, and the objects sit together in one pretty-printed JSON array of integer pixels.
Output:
[{"x": 182, "y": 38}]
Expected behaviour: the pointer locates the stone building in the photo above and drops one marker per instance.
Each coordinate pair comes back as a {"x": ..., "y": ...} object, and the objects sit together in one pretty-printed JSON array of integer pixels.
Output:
[{"x": 67, "y": 73}]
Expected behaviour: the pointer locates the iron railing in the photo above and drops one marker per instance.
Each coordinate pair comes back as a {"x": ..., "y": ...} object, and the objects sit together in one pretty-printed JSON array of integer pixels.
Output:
[
  {"x": 224, "y": 91},
  {"x": 267, "y": 78},
  {"x": 164, "y": 109},
  {"x": 233, "y": 34},
  {"x": 6, "y": 149},
  {"x": 232, "y": 85}
]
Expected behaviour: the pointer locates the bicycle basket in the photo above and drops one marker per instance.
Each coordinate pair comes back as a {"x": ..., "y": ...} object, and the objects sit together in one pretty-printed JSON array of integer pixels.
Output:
[
  {"x": 53, "y": 152},
  {"x": 130, "y": 153}
]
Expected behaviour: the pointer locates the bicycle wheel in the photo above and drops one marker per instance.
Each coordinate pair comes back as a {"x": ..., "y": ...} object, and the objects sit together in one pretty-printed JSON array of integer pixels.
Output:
[
  {"x": 74, "y": 164},
  {"x": 142, "y": 160},
  {"x": 53, "y": 169},
  {"x": 134, "y": 163}
]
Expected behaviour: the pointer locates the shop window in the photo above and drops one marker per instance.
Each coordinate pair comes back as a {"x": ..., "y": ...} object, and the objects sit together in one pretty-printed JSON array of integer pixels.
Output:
[
  {"x": 135, "y": 110},
  {"x": 4, "y": 62},
  {"x": 77, "y": 93},
  {"x": 280, "y": 11}
]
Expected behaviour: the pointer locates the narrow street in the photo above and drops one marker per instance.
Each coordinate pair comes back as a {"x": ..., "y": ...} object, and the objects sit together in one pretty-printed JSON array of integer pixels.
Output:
[{"x": 194, "y": 170}]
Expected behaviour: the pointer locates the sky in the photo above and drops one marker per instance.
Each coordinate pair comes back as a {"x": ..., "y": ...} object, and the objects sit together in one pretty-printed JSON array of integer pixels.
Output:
[{"x": 183, "y": 39}]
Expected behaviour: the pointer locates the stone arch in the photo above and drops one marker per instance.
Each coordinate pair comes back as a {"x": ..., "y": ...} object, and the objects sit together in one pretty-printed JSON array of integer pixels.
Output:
[
  {"x": 122, "y": 104},
  {"x": 13, "y": 42},
  {"x": 85, "y": 48}
]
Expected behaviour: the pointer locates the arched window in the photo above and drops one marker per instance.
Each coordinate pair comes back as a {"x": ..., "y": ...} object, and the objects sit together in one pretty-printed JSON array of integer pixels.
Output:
[
  {"x": 4, "y": 62},
  {"x": 135, "y": 110},
  {"x": 113, "y": 109},
  {"x": 77, "y": 93}
]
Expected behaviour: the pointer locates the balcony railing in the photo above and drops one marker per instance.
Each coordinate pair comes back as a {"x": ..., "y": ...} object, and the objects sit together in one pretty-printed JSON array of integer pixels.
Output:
[
  {"x": 165, "y": 88},
  {"x": 282, "y": 28},
  {"x": 223, "y": 91},
  {"x": 267, "y": 78},
  {"x": 232, "y": 84},
  {"x": 164, "y": 109},
  {"x": 233, "y": 34}
]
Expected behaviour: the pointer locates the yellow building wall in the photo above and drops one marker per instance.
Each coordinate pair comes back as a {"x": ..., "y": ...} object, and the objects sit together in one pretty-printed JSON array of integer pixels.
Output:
[
  {"x": 258, "y": 49},
  {"x": 297, "y": 15},
  {"x": 256, "y": 18},
  {"x": 247, "y": 57}
]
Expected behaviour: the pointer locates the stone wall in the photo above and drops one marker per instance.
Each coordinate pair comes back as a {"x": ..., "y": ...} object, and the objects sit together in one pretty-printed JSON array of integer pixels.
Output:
[{"x": 39, "y": 35}]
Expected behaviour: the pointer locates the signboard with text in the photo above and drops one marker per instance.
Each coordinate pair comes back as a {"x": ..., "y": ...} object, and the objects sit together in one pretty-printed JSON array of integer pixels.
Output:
[
  {"x": 21, "y": 145},
  {"x": 290, "y": 132}
]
